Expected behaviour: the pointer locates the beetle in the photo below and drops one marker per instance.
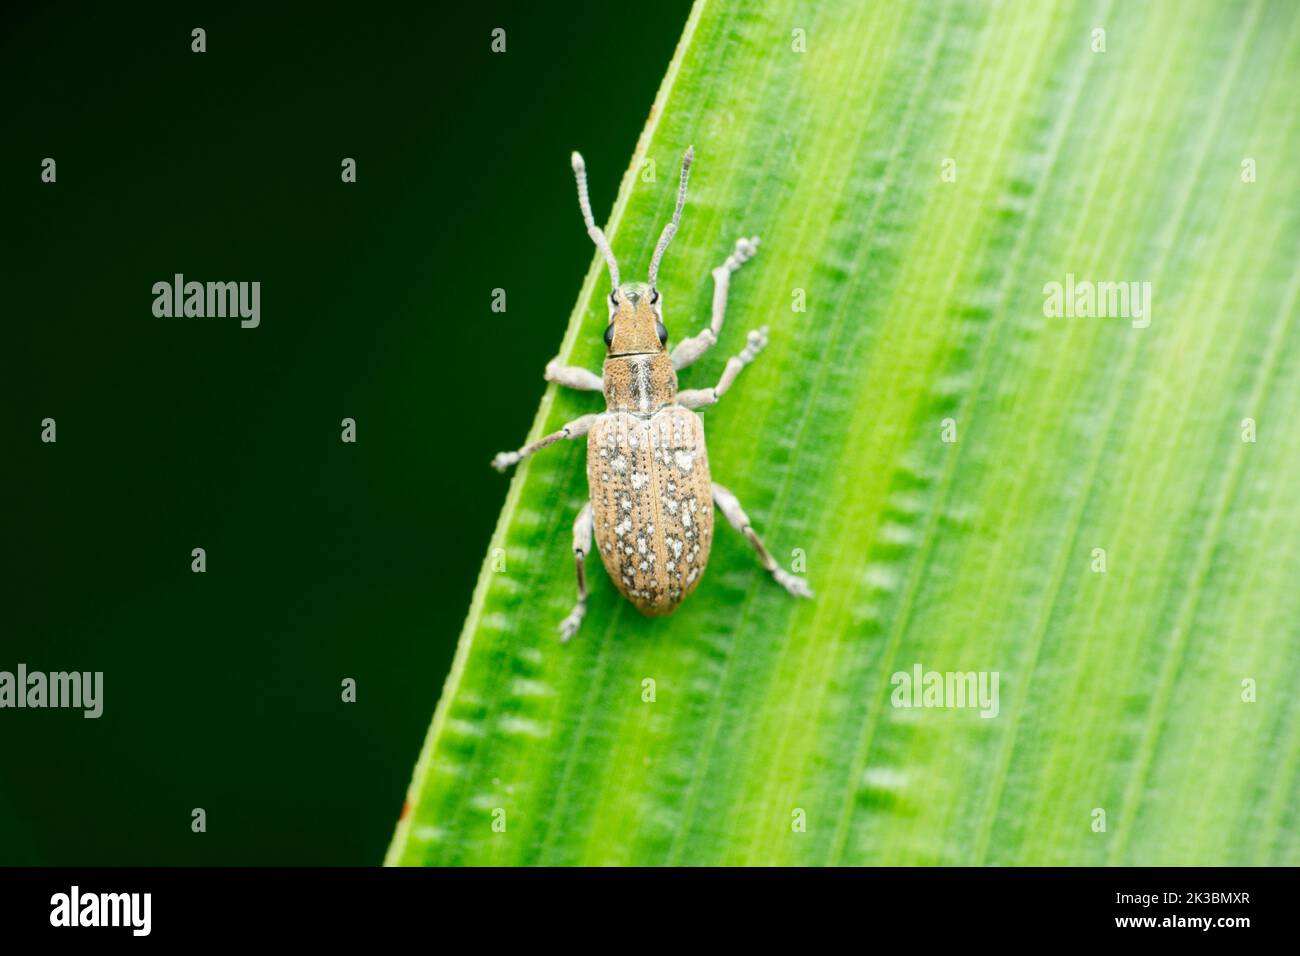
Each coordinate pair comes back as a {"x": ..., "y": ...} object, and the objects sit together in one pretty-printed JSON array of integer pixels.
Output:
[{"x": 651, "y": 494}]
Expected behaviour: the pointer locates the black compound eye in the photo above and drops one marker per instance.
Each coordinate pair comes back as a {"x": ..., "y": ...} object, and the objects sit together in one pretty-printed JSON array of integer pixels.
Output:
[
  {"x": 609, "y": 335},
  {"x": 663, "y": 333},
  {"x": 654, "y": 296},
  {"x": 613, "y": 297}
]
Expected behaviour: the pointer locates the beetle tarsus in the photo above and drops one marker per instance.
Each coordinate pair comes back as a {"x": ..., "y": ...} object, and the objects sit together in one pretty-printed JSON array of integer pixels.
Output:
[
  {"x": 504, "y": 459},
  {"x": 792, "y": 583},
  {"x": 569, "y": 626}
]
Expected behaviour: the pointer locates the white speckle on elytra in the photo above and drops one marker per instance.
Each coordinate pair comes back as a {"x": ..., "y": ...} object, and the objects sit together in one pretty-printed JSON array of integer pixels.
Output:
[
  {"x": 670, "y": 567},
  {"x": 676, "y": 545},
  {"x": 640, "y": 543},
  {"x": 627, "y": 503},
  {"x": 627, "y": 549},
  {"x": 691, "y": 577},
  {"x": 643, "y": 565},
  {"x": 685, "y": 461},
  {"x": 671, "y": 505},
  {"x": 619, "y": 464},
  {"x": 686, "y": 518},
  {"x": 639, "y": 480}
]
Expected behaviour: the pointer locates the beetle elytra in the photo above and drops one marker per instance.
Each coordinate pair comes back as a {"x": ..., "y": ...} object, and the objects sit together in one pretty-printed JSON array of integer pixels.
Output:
[{"x": 652, "y": 497}]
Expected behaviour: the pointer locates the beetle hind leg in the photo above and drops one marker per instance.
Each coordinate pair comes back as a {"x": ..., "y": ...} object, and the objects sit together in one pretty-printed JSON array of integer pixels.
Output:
[
  {"x": 729, "y": 505},
  {"x": 582, "y": 526}
]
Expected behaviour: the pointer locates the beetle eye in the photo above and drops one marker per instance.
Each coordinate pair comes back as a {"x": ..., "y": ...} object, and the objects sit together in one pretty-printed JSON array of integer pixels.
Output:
[
  {"x": 613, "y": 297},
  {"x": 663, "y": 332},
  {"x": 609, "y": 335},
  {"x": 654, "y": 296}
]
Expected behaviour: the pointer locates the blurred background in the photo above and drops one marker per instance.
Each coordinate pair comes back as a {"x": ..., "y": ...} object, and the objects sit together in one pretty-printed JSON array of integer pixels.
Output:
[{"x": 325, "y": 560}]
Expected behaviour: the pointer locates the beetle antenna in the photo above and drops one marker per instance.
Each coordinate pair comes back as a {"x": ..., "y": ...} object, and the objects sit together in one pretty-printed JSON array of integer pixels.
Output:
[
  {"x": 670, "y": 230},
  {"x": 593, "y": 230}
]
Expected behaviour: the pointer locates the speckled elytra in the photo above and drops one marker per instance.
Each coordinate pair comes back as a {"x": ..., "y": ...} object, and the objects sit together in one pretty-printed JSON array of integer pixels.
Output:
[{"x": 652, "y": 498}]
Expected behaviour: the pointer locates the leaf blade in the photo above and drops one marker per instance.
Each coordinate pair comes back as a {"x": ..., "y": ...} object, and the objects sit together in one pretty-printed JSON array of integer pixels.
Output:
[{"x": 1120, "y": 691}]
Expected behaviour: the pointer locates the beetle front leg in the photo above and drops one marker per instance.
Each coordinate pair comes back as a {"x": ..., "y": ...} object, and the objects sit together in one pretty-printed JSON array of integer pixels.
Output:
[
  {"x": 582, "y": 526},
  {"x": 575, "y": 429},
  {"x": 688, "y": 350},
  {"x": 729, "y": 505},
  {"x": 701, "y": 397},
  {"x": 573, "y": 376}
]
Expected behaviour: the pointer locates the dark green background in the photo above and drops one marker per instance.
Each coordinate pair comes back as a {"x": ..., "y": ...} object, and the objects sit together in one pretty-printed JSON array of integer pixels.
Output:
[{"x": 325, "y": 560}]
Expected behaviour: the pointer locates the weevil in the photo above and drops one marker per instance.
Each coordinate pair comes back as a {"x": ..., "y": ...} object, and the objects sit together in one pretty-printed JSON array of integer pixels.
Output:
[{"x": 651, "y": 495}]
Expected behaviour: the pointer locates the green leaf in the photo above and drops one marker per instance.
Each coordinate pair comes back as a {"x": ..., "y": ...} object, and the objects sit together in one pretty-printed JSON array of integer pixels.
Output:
[{"x": 1121, "y": 691}]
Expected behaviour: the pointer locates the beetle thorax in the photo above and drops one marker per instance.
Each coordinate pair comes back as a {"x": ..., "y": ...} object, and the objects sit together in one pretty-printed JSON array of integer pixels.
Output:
[{"x": 640, "y": 384}]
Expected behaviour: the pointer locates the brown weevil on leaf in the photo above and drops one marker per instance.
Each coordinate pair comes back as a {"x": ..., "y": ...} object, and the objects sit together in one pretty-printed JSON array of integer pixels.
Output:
[{"x": 652, "y": 497}]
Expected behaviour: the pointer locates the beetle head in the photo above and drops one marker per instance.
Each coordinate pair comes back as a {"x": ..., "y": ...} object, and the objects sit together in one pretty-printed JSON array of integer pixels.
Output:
[
  {"x": 635, "y": 308},
  {"x": 636, "y": 325}
]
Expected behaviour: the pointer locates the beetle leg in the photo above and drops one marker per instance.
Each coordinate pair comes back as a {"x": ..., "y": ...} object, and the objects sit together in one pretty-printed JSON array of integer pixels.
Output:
[
  {"x": 575, "y": 429},
  {"x": 572, "y": 376},
  {"x": 688, "y": 350},
  {"x": 581, "y": 545},
  {"x": 701, "y": 397},
  {"x": 729, "y": 505}
]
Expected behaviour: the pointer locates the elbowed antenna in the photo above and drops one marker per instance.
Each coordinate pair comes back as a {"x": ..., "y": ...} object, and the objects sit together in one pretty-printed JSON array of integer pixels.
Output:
[
  {"x": 670, "y": 230},
  {"x": 593, "y": 230}
]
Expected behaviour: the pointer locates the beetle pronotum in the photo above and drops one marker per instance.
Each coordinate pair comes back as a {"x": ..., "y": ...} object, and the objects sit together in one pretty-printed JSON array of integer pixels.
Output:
[{"x": 652, "y": 498}]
